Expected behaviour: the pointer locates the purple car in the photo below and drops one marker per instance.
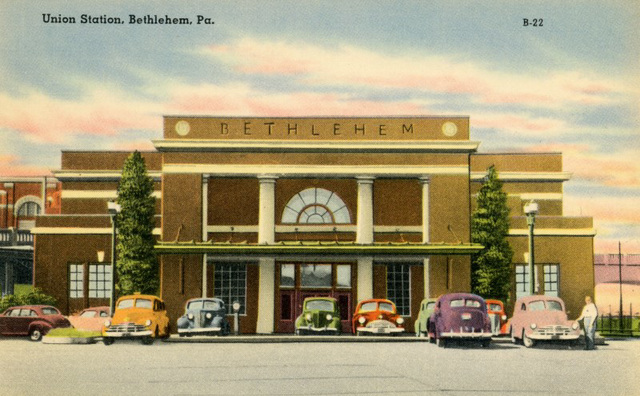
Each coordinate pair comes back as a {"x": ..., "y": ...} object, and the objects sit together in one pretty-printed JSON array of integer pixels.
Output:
[{"x": 459, "y": 316}]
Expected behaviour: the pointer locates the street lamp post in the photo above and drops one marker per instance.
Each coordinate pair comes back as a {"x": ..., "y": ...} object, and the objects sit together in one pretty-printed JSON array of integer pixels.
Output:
[
  {"x": 236, "y": 312},
  {"x": 531, "y": 210},
  {"x": 113, "y": 209}
]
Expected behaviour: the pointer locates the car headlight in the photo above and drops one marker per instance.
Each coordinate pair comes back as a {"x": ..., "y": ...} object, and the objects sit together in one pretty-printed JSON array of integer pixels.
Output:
[
  {"x": 148, "y": 322},
  {"x": 190, "y": 316},
  {"x": 208, "y": 315},
  {"x": 329, "y": 316},
  {"x": 575, "y": 325},
  {"x": 533, "y": 326},
  {"x": 400, "y": 321},
  {"x": 504, "y": 317},
  {"x": 107, "y": 323},
  {"x": 361, "y": 320},
  {"x": 307, "y": 316}
]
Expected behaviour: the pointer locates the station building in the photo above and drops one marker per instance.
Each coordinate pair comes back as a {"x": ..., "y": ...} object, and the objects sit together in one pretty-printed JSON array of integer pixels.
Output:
[{"x": 268, "y": 211}]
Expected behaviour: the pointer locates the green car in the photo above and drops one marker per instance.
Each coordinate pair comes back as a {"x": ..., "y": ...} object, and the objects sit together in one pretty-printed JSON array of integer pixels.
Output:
[
  {"x": 426, "y": 309},
  {"x": 320, "y": 315}
]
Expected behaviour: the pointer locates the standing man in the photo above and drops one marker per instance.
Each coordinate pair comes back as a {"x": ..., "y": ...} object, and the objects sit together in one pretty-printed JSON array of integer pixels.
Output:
[{"x": 589, "y": 315}]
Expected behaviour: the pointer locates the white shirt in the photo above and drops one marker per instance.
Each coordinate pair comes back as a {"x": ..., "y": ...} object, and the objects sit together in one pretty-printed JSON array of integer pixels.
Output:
[{"x": 589, "y": 311}]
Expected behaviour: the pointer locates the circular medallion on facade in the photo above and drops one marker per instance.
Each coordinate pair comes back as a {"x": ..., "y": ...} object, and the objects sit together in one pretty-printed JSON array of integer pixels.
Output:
[
  {"x": 449, "y": 129},
  {"x": 182, "y": 128}
]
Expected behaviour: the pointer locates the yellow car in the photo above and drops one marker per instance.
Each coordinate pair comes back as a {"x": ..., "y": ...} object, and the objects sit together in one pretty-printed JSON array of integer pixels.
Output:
[{"x": 137, "y": 316}]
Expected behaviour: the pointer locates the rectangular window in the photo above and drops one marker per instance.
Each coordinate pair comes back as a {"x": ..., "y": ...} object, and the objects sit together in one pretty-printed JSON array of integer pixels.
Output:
[
  {"x": 399, "y": 287},
  {"x": 99, "y": 280},
  {"x": 315, "y": 275},
  {"x": 76, "y": 280},
  {"x": 230, "y": 284},
  {"x": 551, "y": 279},
  {"x": 343, "y": 276},
  {"x": 522, "y": 281},
  {"x": 287, "y": 275}
]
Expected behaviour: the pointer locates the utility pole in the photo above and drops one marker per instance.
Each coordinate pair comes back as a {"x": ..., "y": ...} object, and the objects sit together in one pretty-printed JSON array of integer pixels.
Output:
[{"x": 620, "y": 284}]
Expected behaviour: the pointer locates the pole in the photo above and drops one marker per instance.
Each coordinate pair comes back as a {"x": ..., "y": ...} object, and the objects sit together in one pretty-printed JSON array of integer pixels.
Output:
[
  {"x": 532, "y": 282},
  {"x": 112, "y": 298},
  {"x": 620, "y": 284}
]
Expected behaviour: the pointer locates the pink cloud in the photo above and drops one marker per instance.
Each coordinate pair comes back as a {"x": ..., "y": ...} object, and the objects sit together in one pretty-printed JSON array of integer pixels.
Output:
[
  {"x": 353, "y": 66},
  {"x": 11, "y": 165}
]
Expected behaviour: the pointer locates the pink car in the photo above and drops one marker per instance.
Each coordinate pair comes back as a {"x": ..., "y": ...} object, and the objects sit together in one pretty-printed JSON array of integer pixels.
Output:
[{"x": 541, "y": 318}]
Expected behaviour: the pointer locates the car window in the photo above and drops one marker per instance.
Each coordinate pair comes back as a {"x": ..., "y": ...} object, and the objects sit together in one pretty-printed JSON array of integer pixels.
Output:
[
  {"x": 456, "y": 303},
  {"x": 211, "y": 305},
  {"x": 472, "y": 303},
  {"x": 369, "y": 306},
  {"x": 104, "y": 314},
  {"x": 536, "y": 306},
  {"x": 495, "y": 307},
  {"x": 88, "y": 314},
  {"x": 386, "y": 307},
  {"x": 143, "y": 303},
  {"x": 322, "y": 305},
  {"x": 554, "y": 306},
  {"x": 195, "y": 304},
  {"x": 15, "y": 312},
  {"x": 430, "y": 305},
  {"x": 50, "y": 311},
  {"x": 523, "y": 307},
  {"x": 128, "y": 303}
]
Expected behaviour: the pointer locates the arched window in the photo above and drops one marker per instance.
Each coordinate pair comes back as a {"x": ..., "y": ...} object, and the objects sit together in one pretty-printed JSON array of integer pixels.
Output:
[
  {"x": 29, "y": 209},
  {"x": 316, "y": 206}
]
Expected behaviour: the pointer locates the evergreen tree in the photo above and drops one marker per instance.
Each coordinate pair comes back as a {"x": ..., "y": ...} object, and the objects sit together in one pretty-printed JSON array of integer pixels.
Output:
[
  {"x": 137, "y": 266},
  {"x": 491, "y": 267}
]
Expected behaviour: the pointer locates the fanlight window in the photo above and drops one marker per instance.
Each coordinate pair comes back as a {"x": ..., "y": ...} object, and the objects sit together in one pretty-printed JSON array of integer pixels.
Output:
[{"x": 316, "y": 206}]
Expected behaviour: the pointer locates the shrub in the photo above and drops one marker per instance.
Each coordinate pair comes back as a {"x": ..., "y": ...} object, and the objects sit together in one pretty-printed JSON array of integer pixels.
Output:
[{"x": 35, "y": 296}]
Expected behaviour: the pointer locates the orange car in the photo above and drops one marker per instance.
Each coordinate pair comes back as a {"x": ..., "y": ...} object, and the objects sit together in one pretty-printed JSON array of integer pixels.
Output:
[
  {"x": 137, "y": 316},
  {"x": 498, "y": 317},
  {"x": 377, "y": 316}
]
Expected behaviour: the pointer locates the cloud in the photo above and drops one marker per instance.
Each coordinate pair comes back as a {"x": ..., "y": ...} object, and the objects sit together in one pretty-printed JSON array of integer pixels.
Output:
[
  {"x": 11, "y": 165},
  {"x": 350, "y": 66},
  {"x": 100, "y": 112}
]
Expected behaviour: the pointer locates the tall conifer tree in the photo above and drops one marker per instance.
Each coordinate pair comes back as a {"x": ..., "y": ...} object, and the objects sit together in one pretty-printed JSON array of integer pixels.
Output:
[
  {"x": 137, "y": 265},
  {"x": 491, "y": 267}
]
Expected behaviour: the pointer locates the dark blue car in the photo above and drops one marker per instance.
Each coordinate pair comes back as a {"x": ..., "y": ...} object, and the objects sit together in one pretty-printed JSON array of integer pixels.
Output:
[{"x": 204, "y": 316}]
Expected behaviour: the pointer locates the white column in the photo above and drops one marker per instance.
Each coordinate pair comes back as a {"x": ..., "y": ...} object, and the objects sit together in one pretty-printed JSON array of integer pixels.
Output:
[
  {"x": 425, "y": 234},
  {"x": 365, "y": 278},
  {"x": 205, "y": 221},
  {"x": 266, "y": 296},
  {"x": 364, "y": 230},
  {"x": 266, "y": 215}
]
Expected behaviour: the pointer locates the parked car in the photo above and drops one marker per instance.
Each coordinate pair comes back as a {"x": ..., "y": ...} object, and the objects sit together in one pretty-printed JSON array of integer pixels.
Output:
[
  {"x": 377, "y": 316},
  {"x": 460, "y": 316},
  {"x": 90, "y": 319},
  {"x": 204, "y": 316},
  {"x": 320, "y": 315},
  {"x": 426, "y": 309},
  {"x": 137, "y": 316},
  {"x": 541, "y": 318},
  {"x": 497, "y": 317},
  {"x": 34, "y": 321}
]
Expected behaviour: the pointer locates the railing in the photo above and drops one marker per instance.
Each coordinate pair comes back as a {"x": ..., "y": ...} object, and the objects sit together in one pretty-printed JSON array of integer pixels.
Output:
[
  {"x": 615, "y": 325},
  {"x": 13, "y": 237}
]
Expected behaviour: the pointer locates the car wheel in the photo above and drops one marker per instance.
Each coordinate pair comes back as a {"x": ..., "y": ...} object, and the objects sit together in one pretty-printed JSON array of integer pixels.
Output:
[
  {"x": 441, "y": 342},
  {"x": 528, "y": 342},
  {"x": 107, "y": 341},
  {"x": 35, "y": 335},
  {"x": 486, "y": 343},
  {"x": 147, "y": 340}
]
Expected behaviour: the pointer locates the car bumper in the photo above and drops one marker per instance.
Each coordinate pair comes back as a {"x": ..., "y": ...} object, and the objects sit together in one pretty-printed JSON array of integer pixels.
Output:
[
  {"x": 202, "y": 330},
  {"x": 380, "y": 330},
  {"x": 318, "y": 329},
  {"x": 473, "y": 336},
  {"x": 548, "y": 337},
  {"x": 118, "y": 334}
]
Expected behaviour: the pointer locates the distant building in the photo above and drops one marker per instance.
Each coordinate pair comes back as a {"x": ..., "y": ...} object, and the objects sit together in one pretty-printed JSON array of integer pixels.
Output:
[
  {"x": 616, "y": 273},
  {"x": 21, "y": 200},
  {"x": 268, "y": 211}
]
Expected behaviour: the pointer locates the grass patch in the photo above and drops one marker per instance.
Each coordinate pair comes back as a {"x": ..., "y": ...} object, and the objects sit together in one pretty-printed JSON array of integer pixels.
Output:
[{"x": 71, "y": 332}]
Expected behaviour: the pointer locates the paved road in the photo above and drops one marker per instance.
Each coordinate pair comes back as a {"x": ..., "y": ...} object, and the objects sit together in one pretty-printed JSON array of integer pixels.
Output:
[{"x": 399, "y": 368}]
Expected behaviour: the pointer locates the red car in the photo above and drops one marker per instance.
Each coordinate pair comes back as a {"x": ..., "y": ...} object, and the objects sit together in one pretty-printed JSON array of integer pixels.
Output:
[
  {"x": 498, "y": 317},
  {"x": 32, "y": 320},
  {"x": 377, "y": 316},
  {"x": 90, "y": 319}
]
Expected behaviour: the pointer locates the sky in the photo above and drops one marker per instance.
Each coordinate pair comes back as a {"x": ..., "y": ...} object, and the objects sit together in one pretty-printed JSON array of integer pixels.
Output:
[{"x": 571, "y": 85}]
